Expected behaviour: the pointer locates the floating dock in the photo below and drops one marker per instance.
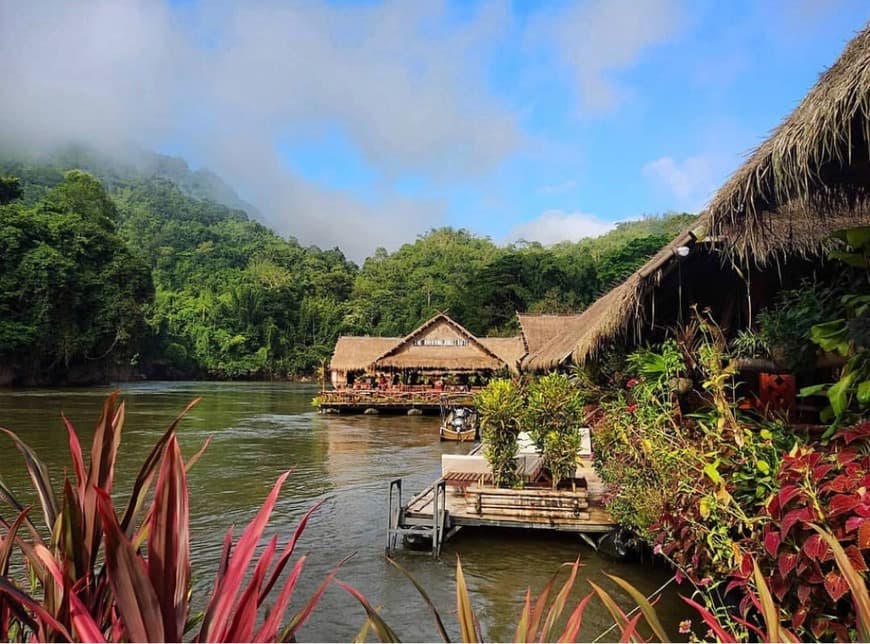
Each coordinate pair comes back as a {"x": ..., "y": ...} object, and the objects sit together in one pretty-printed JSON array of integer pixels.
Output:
[
  {"x": 395, "y": 401},
  {"x": 468, "y": 498}
]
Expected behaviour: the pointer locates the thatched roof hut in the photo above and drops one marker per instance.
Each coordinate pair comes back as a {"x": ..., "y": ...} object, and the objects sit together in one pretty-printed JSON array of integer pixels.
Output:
[
  {"x": 440, "y": 344},
  {"x": 809, "y": 178}
]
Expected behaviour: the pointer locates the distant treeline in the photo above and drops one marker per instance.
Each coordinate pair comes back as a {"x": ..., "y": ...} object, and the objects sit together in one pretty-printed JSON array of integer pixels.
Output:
[{"x": 140, "y": 270}]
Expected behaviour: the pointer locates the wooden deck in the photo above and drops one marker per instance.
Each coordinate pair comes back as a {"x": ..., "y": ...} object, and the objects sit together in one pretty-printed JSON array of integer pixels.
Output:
[{"x": 470, "y": 501}]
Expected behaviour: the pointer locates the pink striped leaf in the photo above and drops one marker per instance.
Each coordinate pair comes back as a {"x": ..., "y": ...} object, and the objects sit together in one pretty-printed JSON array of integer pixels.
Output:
[
  {"x": 169, "y": 543},
  {"x": 225, "y": 593}
]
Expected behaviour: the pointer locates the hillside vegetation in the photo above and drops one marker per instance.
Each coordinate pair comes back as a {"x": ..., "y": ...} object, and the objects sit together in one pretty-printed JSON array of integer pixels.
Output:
[{"x": 148, "y": 268}]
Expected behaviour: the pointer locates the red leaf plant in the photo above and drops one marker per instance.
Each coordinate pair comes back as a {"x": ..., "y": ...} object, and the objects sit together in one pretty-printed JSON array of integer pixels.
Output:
[
  {"x": 826, "y": 485},
  {"x": 98, "y": 575}
]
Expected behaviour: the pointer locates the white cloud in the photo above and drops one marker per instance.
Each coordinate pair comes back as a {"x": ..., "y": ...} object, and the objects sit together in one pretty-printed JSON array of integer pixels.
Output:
[
  {"x": 405, "y": 82},
  {"x": 690, "y": 181},
  {"x": 598, "y": 38},
  {"x": 554, "y": 226}
]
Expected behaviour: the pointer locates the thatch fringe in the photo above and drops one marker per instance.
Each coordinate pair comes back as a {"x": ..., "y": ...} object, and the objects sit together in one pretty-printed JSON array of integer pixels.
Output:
[{"x": 813, "y": 167}]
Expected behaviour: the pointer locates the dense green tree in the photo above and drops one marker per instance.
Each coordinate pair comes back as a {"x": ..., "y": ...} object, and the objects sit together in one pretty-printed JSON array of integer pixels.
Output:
[
  {"x": 393, "y": 293},
  {"x": 71, "y": 294},
  {"x": 230, "y": 298},
  {"x": 618, "y": 263},
  {"x": 10, "y": 190}
]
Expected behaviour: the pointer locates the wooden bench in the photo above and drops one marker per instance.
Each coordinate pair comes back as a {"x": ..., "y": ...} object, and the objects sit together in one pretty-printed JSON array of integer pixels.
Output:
[
  {"x": 462, "y": 480},
  {"x": 528, "y": 503}
]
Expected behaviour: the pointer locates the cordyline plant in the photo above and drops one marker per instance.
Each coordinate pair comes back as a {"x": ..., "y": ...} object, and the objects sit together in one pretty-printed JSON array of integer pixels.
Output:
[
  {"x": 541, "y": 619},
  {"x": 97, "y": 575}
]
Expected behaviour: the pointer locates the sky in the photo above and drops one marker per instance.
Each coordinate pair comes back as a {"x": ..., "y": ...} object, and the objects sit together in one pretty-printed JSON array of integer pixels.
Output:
[{"x": 363, "y": 124}]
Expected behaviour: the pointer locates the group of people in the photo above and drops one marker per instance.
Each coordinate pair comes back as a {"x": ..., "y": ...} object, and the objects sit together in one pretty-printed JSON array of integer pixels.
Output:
[{"x": 383, "y": 381}]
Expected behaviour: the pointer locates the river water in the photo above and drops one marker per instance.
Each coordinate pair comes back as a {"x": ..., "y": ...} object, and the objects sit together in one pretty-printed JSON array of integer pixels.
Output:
[{"x": 260, "y": 430}]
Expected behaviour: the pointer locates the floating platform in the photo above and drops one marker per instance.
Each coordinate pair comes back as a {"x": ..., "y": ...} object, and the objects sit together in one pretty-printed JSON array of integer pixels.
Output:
[
  {"x": 461, "y": 499},
  {"x": 392, "y": 401}
]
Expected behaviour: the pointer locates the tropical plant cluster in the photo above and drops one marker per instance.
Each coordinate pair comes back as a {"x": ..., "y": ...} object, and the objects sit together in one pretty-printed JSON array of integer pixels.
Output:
[
  {"x": 144, "y": 267},
  {"x": 97, "y": 572},
  {"x": 550, "y": 409},
  {"x": 719, "y": 486}
]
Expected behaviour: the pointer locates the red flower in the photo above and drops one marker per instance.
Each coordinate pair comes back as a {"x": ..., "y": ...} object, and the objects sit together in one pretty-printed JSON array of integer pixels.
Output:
[
  {"x": 631, "y": 408},
  {"x": 632, "y": 382}
]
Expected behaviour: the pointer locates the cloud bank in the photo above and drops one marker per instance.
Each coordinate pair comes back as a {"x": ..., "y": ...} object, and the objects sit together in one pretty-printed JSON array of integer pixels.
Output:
[{"x": 223, "y": 84}]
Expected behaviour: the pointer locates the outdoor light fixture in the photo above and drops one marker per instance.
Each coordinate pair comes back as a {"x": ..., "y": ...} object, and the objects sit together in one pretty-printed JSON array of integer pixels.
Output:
[{"x": 682, "y": 251}]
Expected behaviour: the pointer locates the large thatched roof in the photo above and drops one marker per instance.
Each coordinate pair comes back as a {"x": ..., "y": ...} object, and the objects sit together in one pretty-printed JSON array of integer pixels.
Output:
[
  {"x": 809, "y": 178},
  {"x": 356, "y": 353},
  {"x": 474, "y": 355},
  {"x": 615, "y": 312},
  {"x": 365, "y": 353},
  {"x": 811, "y": 175}
]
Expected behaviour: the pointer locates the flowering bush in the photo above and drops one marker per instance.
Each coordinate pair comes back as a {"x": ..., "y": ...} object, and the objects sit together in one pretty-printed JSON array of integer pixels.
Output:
[{"x": 639, "y": 443}]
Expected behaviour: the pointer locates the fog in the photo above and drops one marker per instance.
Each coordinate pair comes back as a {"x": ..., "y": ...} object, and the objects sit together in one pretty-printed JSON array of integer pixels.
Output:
[{"x": 232, "y": 86}]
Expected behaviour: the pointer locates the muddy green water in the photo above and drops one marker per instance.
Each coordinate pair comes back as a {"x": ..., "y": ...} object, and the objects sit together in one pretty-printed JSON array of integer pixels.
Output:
[{"x": 260, "y": 430}]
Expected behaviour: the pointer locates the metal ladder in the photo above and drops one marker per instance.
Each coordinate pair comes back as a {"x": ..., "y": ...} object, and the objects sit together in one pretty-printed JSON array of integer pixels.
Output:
[{"x": 398, "y": 526}]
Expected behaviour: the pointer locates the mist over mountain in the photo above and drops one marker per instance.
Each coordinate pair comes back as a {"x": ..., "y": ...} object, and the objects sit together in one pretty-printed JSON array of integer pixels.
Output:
[{"x": 124, "y": 166}]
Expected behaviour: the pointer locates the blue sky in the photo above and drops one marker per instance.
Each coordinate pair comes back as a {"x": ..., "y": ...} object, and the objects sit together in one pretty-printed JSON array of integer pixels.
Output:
[{"x": 363, "y": 124}]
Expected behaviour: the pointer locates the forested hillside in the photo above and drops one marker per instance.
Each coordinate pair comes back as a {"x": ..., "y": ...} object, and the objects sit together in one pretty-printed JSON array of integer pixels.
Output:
[{"x": 134, "y": 273}]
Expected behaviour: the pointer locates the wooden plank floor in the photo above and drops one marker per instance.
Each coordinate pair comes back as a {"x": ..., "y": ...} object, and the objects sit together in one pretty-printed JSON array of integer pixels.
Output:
[{"x": 593, "y": 518}]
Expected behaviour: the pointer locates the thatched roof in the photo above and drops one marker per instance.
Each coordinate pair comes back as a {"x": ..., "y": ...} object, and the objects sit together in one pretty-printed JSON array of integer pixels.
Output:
[
  {"x": 811, "y": 175},
  {"x": 613, "y": 313},
  {"x": 538, "y": 330},
  {"x": 473, "y": 356},
  {"x": 356, "y": 353},
  {"x": 809, "y": 178},
  {"x": 510, "y": 350},
  {"x": 554, "y": 350}
]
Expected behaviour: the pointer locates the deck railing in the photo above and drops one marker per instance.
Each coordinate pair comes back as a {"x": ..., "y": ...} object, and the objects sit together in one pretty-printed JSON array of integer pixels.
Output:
[{"x": 401, "y": 395}]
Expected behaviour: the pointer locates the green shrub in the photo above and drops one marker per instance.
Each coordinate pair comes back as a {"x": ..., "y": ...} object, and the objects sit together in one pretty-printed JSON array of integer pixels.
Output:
[
  {"x": 500, "y": 407},
  {"x": 553, "y": 415},
  {"x": 785, "y": 326}
]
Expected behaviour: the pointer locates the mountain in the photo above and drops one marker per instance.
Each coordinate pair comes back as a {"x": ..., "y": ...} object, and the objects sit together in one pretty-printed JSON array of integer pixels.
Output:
[{"x": 117, "y": 170}]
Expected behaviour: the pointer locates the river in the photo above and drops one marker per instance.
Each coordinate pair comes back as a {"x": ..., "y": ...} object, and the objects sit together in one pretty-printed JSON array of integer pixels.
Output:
[{"x": 260, "y": 430}]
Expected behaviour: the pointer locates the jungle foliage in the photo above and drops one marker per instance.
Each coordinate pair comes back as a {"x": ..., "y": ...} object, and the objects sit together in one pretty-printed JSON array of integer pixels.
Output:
[{"x": 139, "y": 267}]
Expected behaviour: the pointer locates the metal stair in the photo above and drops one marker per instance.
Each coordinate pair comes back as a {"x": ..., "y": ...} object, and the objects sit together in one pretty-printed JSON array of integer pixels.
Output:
[{"x": 402, "y": 526}]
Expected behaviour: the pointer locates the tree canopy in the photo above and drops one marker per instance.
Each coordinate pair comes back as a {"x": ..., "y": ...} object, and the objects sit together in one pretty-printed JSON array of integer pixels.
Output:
[{"x": 154, "y": 268}]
